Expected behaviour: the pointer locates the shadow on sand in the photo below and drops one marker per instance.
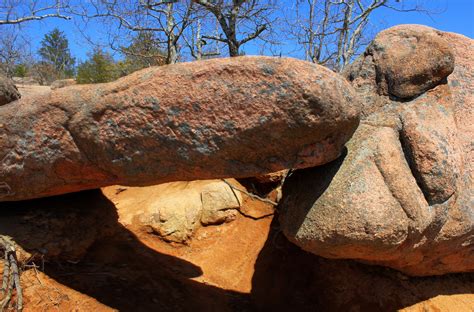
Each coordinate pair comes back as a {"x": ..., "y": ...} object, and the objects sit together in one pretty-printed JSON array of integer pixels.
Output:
[{"x": 120, "y": 271}]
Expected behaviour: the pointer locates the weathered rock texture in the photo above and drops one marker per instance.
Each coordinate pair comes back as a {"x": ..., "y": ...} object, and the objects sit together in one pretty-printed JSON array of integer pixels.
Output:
[
  {"x": 175, "y": 210},
  {"x": 452, "y": 303},
  {"x": 402, "y": 196},
  {"x": 60, "y": 227},
  {"x": 399, "y": 73},
  {"x": 8, "y": 91},
  {"x": 234, "y": 117}
]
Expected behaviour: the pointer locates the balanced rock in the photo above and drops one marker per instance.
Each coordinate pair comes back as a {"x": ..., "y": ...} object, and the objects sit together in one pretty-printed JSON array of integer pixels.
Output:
[
  {"x": 8, "y": 91},
  {"x": 402, "y": 196},
  {"x": 235, "y": 117}
]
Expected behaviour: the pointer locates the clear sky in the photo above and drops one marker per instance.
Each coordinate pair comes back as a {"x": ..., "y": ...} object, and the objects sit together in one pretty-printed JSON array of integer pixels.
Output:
[{"x": 453, "y": 15}]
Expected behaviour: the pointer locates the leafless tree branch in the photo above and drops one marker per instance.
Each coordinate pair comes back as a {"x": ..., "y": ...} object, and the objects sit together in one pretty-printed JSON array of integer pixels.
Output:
[
  {"x": 235, "y": 18},
  {"x": 15, "y": 12}
]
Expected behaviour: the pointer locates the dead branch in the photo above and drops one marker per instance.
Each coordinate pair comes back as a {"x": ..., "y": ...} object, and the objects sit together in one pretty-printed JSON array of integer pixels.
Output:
[
  {"x": 265, "y": 200},
  {"x": 248, "y": 14},
  {"x": 15, "y": 12},
  {"x": 11, "y": 275}
]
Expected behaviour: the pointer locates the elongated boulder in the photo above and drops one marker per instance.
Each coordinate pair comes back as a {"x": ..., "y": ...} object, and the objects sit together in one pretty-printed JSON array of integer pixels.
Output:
[
  {"x": 403, "y": 194},
  {"x": 234, "y": 117}
]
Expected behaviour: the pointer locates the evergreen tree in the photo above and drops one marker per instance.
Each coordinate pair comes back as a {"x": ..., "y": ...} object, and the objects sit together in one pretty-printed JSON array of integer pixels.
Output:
[
  {"x": 21, "y": 70},
  {"x": 144, "y": 51},
  {"x": 100, "y": 67},
  {"x": 55, "y": 51}
]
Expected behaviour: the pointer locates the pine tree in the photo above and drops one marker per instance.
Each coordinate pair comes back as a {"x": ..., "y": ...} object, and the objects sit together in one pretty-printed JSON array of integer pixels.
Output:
[
  {"x": 55, "y": 51},
  {"x": 21, "y": 70},
  {"x": 144, "y": 51}
]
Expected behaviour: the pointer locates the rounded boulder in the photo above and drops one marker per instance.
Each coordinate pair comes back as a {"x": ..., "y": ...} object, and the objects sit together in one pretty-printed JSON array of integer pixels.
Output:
[{"x": 411, "y": 59}]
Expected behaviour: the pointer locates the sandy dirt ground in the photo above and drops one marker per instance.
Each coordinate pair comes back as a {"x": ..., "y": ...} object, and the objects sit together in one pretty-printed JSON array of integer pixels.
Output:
[
  {"x": 244, "y": 265},
  {"x": 29, "y": 90}
]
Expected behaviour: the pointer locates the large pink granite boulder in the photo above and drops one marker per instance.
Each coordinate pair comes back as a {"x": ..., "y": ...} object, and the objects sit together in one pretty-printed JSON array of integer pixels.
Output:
[
  {"x": 402, "y": 196},
  {"x": 235, "y": 117}
]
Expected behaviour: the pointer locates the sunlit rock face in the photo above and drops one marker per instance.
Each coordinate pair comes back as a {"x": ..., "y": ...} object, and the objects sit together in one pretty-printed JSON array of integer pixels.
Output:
[
  {"x": 402, "y": 195},
  {"x": 237, "y": 117},
  {"x": 8, "y": 91}
]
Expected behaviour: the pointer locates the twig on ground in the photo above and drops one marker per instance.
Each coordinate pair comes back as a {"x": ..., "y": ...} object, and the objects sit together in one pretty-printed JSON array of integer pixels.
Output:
[
  {"x": 265, "y": 200},
  {"x": 36, "y": 274},
  {"x": 255, "y": 218}
]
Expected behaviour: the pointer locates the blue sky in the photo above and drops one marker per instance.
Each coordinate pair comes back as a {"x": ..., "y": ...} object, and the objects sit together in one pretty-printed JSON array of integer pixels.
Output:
[{"x": 454, "y": 16}]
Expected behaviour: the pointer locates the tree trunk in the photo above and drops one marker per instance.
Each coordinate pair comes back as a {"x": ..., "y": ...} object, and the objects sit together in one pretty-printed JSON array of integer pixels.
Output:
[
  {"x": 172, "y": 55},
  {"x": 233, "y": 48},
  {"x": 310, "y": 50},
  {"x": 198, "y": 41}
]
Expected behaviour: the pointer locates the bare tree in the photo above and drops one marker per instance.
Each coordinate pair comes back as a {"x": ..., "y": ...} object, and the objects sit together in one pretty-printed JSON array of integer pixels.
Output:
[
  {"x": 240, "y": 20},
  {"x": 166, "y": 18},
  {"x": 13, "y": 12},
  {"x": 199, "y": 47},
  {"x": 332, "y": 32},
  {"x": 13, "y": 51},
  {"x": 309, "y": 22}
]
